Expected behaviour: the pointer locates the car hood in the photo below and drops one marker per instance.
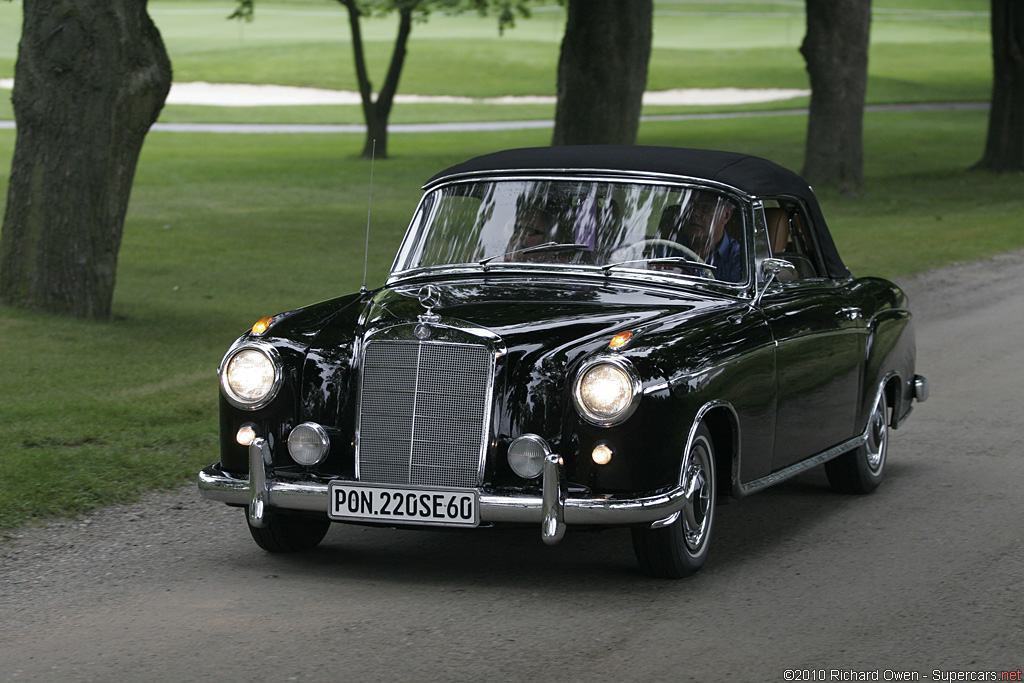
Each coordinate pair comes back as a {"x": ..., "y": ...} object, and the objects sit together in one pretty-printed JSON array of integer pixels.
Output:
[
  {"x": 536, "y": 315},
  {"x": 540, "y": 329},
  {"x": 543, "y": 329}
]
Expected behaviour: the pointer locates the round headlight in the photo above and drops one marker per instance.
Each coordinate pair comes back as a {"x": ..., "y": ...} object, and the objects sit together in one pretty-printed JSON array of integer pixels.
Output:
[
  {"x": 308, "y": 444},
  {"x": 606, "y": 390},
  {"x": 526, "y": 455},
  {"x": 251, "y": 376}
]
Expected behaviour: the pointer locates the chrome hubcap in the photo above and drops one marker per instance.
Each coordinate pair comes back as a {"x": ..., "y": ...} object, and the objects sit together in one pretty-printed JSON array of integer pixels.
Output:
[
  {"x": 878, "y": 437},
  {"x": 697, "y": 482}
]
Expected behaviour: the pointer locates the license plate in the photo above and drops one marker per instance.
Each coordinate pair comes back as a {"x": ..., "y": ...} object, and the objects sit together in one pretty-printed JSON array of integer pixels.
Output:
[{"x": 371, "y": 503}]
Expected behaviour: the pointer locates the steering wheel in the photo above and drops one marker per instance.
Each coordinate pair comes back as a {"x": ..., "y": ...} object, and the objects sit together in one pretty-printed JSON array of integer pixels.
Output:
[{"x": 658, "y": 242}]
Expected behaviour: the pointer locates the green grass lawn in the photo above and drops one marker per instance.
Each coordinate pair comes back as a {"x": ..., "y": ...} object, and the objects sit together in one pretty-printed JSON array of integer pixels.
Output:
[
  {"x": 225, "y": 229},
  {"x": 922, "y": 50}
]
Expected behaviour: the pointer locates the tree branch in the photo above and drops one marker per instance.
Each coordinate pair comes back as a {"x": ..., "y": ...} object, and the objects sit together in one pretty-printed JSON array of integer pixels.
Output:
[
  {"x": 387, "y": 93},
  {"x": 363, "y": 78}
]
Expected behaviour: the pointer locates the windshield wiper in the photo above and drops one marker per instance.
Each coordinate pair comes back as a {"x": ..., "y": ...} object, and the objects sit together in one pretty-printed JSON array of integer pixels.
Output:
[
  {"x": 672, "y": 260},
  {"x": 537, "y": 249}
]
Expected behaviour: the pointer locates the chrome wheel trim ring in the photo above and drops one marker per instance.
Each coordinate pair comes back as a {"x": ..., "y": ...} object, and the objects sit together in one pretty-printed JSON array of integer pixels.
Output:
[
  {"x": 878, "y": 437},
  {"x": 698, "y": 482}
]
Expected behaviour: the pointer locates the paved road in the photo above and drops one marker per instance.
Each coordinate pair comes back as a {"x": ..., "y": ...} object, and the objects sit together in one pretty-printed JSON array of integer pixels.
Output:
[{"x": 924, "y": 576}]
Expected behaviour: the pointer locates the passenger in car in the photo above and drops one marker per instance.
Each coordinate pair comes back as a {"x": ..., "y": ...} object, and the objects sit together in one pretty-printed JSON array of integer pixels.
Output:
[
  {"x": 534, "y": 226},
  {"x": 784, "y": 228}
]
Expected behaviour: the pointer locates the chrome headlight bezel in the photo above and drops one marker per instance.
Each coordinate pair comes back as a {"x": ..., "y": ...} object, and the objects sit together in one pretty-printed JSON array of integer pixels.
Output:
[
  {"x": 631, "y": 379},
  {"x": 238, "y": 401}
]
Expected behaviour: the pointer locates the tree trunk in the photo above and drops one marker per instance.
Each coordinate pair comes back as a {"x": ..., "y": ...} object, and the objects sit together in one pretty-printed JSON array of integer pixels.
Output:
[
  {"x": 836, "y": 51},
  {"x": 91, "y": 78},
  {"x": 1004, "y": 146},
  {"x": 376, "y": 113},
  {"x": 602, "y": 71}
]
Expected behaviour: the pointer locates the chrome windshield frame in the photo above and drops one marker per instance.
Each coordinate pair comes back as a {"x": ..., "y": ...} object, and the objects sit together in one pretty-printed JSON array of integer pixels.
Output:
[{"x": 396, "y": 276}]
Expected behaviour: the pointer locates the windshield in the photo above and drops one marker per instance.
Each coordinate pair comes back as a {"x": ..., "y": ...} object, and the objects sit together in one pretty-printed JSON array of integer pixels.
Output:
[{"x": 490, "y": 224}]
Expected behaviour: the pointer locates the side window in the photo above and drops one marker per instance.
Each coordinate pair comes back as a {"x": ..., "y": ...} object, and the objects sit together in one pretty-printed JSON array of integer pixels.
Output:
[{"x": 790, "y": 237}]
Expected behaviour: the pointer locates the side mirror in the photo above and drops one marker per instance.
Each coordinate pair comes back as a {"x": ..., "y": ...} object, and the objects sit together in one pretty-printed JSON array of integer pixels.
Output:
[
  {"x": 773, "y": 269},
  {"x": 778, "y": 269}
]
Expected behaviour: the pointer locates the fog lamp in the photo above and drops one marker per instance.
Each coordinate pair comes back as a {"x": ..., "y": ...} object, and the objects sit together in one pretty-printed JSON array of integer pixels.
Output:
[
  {"x": 308, "y": 444},
  {"x": 246, "y": 434},
  {"x": 602, "y": 454},
  {"x": 526, "y": 455}
]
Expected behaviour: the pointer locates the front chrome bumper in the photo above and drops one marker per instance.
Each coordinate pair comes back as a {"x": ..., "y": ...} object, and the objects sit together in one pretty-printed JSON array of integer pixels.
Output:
[{"x": 554, "y": 511}]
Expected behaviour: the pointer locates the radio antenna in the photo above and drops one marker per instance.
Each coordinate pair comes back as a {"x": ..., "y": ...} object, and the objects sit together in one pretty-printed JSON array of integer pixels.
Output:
[{"x": 366, "y": 249}]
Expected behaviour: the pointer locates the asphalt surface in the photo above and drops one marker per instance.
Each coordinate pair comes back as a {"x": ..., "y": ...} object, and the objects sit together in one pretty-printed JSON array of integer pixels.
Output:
[{"x": 923, "y": 577}]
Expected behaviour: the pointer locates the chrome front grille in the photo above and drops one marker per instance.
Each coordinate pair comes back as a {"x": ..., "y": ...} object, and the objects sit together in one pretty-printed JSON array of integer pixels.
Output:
[{"x": 423, "y": 413}]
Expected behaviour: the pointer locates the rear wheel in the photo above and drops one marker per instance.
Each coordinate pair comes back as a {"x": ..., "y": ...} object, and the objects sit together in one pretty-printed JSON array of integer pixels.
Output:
[
  {"x": 680, "y": 548},
  {"x": 287, "y": 532},
  {"x": 861, "y": 470}
]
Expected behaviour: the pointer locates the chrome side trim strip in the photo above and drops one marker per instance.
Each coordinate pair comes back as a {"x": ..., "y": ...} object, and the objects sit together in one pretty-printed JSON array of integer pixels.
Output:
[
  {"x": 739, "y": 489},
  {"x": 796, "y": 468},
  {"x": 823, "y": 335}
]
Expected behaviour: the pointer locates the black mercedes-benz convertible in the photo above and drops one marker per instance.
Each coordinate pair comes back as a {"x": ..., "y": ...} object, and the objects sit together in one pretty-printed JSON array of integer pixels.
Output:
[{"x": 569, "y": 337}]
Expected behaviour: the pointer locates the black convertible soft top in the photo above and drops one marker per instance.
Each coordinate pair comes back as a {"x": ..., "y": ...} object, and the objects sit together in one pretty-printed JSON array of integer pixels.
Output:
[{"x": 752, "y": 175}]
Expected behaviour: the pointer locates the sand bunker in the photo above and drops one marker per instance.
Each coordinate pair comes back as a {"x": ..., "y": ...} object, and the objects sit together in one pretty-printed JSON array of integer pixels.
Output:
[
  {"x": 242, "y": 95},
  {"x": 238, "y": 95}
]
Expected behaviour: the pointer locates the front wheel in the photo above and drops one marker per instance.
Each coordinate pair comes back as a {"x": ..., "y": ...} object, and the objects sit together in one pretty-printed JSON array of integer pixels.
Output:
[
  {"x": 861, "y": 470},
  {"x": 680, "y": 548},
  {"x": 287, "y": 532}
]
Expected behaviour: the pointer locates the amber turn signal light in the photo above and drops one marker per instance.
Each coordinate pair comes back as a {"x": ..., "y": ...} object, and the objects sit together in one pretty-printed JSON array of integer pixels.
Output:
[
  {"x": 262, "y": 325},
  {"x": 620, "y": 340}
]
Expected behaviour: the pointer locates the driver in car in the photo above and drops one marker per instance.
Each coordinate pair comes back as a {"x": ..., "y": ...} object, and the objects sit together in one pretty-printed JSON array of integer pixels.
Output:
[{"x": 702, "y": 230}]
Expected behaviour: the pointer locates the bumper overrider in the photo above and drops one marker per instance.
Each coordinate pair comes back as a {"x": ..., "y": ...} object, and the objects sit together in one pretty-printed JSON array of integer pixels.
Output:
[{"x": 554, "y": 510}]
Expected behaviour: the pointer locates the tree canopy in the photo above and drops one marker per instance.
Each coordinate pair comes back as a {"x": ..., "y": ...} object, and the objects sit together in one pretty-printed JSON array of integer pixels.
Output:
[{"x": 377, "y": 110}]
